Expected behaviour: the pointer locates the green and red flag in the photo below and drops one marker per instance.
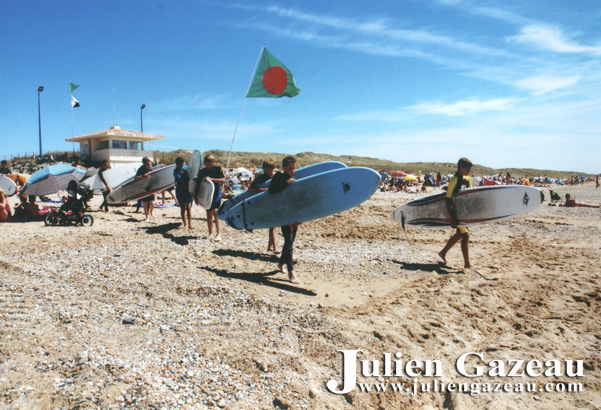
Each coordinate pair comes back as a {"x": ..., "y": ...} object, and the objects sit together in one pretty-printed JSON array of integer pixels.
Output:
[{"x": 272, "y": 79}]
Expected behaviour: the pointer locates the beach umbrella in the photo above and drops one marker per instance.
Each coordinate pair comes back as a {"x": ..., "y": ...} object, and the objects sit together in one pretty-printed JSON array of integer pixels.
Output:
[
  {"x": 51, "y": 179},
  {"x": 397, "y": 174}
]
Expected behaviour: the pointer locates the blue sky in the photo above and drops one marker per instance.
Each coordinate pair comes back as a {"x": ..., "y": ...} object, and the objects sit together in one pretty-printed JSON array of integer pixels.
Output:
[{"x": 505, "y": 83}]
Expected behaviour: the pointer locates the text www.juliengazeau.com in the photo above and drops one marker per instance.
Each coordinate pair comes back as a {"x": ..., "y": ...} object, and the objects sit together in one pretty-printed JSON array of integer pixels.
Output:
[{"x": 473, "y": 388}]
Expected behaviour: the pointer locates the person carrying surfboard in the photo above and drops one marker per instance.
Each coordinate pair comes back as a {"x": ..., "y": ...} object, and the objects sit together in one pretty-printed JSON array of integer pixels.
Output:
[
  {"x": 268, "y": 172},
  {"x": 280, "y": 181},
  {"x": 184, "y": 199},
  {"x": 459, "y": 181},
  {"x": 107, "y": 189},
  {"x": 149, "y": 200},
  {"x": 215, "y": 174}
]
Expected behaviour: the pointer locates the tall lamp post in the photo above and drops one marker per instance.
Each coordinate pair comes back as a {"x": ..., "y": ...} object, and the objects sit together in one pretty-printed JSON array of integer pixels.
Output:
[
  {"x": 40, "y": 89},
  {"x": 141, "y": 118}
]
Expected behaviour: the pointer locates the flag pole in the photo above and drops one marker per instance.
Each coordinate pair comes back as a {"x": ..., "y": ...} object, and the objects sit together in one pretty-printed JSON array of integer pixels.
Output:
[
  {"x": 71, "y": 104},
  {"x": 242, "y": 109}
]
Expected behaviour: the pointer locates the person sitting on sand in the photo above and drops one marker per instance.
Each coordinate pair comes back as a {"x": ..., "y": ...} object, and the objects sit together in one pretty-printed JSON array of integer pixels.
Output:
[
  {"x": 459, "y": 181},
  {"x": 214, "y": 174},
  {"x": 29, "y": 210},
  {"x": 5, "y": 213},
  {"x": 20, "y": 211},
  {"x": 280, "y": 181},
  {"x": 182, "y": 190},
  {"x": 76, "y": 162},
  {"x": 572, "y": 203},
  {"x": 268, "y": 168}
]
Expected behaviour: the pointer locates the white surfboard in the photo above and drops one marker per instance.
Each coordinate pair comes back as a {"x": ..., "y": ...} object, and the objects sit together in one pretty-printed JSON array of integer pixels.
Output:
[
  {"x": 194, "y": 165},
  {"x": 474, "y": 206},
  {"x": 204, "y": 197},
  {"x": 113, "y": 177},
  {"x": 314, "y": 197},
  {"x": 8, "y": 185},
  {"x": 157, "y": 181}
]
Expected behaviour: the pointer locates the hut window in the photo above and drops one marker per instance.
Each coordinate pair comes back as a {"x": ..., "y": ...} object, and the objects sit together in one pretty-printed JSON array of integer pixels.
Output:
[{"x": 119, "y": 144}]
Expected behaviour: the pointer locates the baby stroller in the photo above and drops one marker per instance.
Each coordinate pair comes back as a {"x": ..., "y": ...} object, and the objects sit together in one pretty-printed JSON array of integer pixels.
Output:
[
  {"x": 72, "y": 211},
  {"x": 554, "y": 196}
]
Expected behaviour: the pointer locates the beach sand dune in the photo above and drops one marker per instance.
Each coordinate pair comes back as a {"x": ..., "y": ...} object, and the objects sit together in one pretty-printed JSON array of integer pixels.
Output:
[{"x": 147, "y": 315}]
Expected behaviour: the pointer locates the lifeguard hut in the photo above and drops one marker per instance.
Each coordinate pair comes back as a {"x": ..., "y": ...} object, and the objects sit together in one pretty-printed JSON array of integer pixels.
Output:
[{"x": 119, "y": 147}]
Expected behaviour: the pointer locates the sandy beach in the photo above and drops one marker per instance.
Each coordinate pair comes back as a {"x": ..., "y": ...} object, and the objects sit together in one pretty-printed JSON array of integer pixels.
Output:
[{"x": 128, "y": 314}]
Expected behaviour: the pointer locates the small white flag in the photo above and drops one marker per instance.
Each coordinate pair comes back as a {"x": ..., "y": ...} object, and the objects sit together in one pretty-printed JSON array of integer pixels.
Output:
[{"x": 74, "y": 102}]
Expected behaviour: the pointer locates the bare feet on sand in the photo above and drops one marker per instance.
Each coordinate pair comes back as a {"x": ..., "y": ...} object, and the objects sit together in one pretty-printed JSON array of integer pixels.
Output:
[
  {"x": 217, "y": 238},
  {"x": 293, "y": 277},
  {"x": 443, "y": 257},
  {"x": 282, "y": 268}
]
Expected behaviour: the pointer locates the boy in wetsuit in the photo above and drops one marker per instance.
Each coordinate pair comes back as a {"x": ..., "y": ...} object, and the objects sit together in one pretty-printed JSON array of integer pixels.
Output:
[
  {"x": 182, "y": 192},
  {"x": 268, "y": 168},
  {"x": 149, "y": 200},
  {"x": 280, "y": 181},
  {"x": 215, "y": 174},
  {"x": 459, "y": 181}
]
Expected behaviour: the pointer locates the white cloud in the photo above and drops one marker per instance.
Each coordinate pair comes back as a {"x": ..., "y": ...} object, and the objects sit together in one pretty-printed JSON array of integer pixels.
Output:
[
  {"x": 553, "y": 39},
  {"x": 193, "y": 102},
  {"x": 462, "y": 108},
  {"x": 381, "y": 29},
  {"x": 543, "y": 84}
]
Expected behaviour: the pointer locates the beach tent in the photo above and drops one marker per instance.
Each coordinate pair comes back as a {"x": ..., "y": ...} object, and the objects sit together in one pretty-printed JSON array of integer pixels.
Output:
[
  {"x": 410, "y": 178},
  {"x": 51, "y": 179},
  {"x": 243, "y": 172},
  {"x": 397, "y": 174}
]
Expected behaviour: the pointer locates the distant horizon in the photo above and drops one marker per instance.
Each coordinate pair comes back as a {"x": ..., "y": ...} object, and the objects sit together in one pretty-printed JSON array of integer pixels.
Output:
[{"x": 262, "y": 154}]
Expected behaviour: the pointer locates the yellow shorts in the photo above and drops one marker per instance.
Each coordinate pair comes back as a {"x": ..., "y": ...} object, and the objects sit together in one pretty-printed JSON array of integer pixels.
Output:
[{"x": 462, "y": 229}]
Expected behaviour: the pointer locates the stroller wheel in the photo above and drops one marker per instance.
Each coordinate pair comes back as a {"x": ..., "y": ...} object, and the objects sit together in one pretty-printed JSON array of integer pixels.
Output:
[
  {"x": 48, "y": 219},
  {"x": 87, "y": 220}
]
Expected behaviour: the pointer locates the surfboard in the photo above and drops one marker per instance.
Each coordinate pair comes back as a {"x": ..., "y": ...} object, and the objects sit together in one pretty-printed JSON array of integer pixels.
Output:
[
  {"x": 194, "y": 165},
  {"x": 113, "y": 177},
  {"x": 204, "y": 197},
  {"x": 8, "y": 185},
  {"x": 15, "y": 177},
  {"x": 157, "y": 181},
  {"x": 299, "y": 174},
  {"x": 306, "y": 199},
  {"x": 474, "y": 206}
]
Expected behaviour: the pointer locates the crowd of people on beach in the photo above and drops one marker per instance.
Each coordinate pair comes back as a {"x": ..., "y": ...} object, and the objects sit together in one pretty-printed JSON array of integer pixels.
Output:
[{"x": 28, "y": 209}]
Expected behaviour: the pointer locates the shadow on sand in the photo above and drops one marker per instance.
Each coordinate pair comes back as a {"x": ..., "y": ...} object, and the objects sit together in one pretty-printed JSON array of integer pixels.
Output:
[
  {"x": 439, "y": 268},
  {"x": 164, "y": 231},
  {"x": 261, "y": 278},
  {"x": 247, "y": 255}
]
